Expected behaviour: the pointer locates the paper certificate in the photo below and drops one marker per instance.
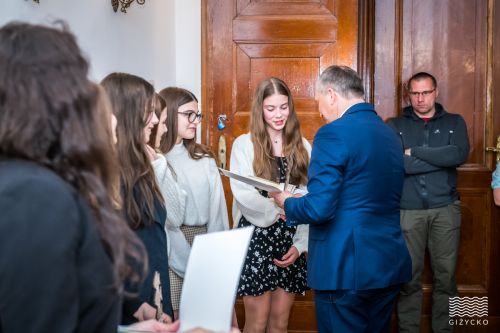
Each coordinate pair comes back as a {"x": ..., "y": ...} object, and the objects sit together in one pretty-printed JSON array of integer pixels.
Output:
[
  {"x": 260, "y": 183},
  {"x": 211, "y": 280}
]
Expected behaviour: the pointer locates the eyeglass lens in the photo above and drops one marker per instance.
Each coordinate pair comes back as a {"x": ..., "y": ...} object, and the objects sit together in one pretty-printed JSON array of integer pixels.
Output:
[
  {"x": 192, "y": 116},
  {"x": 421, "y": 93}
]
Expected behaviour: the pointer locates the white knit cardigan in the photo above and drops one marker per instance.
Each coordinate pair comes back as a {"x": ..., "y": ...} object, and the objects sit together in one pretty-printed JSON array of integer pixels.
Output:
[{"x": 247, "y": 201}]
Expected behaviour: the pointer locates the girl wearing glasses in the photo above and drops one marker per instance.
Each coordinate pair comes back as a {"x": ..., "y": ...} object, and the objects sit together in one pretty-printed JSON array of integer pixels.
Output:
[
  {"x": 275, "y": 267},
  {"x": 197, "y": 175},
  {"x": 133, "y": 99}
]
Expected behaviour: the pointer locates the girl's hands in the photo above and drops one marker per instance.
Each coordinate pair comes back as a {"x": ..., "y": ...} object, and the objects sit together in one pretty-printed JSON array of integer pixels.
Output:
[{"x": 288, "y": 259}]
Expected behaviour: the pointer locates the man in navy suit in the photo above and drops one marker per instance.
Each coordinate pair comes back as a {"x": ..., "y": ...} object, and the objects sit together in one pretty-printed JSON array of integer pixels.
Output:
[{"x": 358, "y": 258}]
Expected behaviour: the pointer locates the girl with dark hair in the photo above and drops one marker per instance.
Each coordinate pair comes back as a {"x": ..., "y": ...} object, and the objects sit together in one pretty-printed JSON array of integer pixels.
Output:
[
  {"x": 197, "y": 175},
  {"x": 133, "y": 101},
  {"x": 275, "y": 267},
  {"x": 175, "y": 200},
  {"x": 65, "y": 248},
  {"x": 161, "y": 128}
]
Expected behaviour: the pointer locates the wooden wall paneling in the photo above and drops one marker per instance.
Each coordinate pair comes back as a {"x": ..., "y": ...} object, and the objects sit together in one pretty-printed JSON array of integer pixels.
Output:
[
  {"x": 386, "y": 76},
  {"x": 453, "y": 48},
  {"x": 458, "y": 42},
  {"x": 366, "y": 33}
]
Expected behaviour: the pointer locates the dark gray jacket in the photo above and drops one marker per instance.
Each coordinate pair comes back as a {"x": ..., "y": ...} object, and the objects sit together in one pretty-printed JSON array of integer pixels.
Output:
[{"x": 438, "y": 147}]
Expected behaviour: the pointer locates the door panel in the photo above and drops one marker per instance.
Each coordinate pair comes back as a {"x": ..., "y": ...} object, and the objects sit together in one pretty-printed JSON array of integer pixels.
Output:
[
  {"x": 244, "y": 42},
  {"x": 453, "y": 40}
]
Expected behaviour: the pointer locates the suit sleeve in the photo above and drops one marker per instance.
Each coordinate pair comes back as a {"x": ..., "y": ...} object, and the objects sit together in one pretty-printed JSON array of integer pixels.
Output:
[
  {"x": 39, "y": 244},
  {"x": 329, "y": 158},
  {"x": 301, "y": 238},
  {"x": 218, "y": 220}
]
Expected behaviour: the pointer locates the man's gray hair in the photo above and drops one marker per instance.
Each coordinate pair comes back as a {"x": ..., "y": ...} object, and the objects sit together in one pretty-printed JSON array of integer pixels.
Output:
[{"x": 344, "y": 80}]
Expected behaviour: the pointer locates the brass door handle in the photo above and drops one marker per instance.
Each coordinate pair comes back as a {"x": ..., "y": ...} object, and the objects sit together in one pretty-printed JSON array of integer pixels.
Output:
[
  {"x": 495, "y": 149},
  {"x": 221, "y": 151}
]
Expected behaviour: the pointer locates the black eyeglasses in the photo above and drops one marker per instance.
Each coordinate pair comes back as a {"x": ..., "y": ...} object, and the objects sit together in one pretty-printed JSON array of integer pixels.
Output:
[
  {"x": 421, "y": 93},
  {"x": 192, "y": 116}
]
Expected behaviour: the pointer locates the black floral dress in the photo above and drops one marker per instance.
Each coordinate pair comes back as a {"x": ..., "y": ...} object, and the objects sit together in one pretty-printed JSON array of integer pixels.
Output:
[{"x": 259, "y": 273}]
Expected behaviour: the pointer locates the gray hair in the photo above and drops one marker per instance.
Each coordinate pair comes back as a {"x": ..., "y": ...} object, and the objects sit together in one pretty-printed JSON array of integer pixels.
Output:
[{"x": 344, "y": 80}]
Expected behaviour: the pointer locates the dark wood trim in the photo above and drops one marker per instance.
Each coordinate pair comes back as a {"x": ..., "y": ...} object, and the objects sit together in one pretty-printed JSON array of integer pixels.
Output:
[
  {"x": 398, "y": 57},
  {"x": 204, "y": 73},
  {"x": 366, "y": 51}
]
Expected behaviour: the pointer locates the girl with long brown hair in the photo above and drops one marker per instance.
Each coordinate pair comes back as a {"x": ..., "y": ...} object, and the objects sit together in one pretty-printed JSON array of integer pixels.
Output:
[
  {"x": 133, "y": 100},
  {"x": 65, "y": 248},
  {"x": 275, "y": 267},
  {"x": 197, "y": 176},
  {"x": 175, "y": 201}
]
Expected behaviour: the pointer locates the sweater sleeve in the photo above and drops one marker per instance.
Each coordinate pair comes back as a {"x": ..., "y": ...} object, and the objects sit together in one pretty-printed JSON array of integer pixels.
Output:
[
  {"x": 495, "y": 177},
  {"x": 414, "y": 166},
  {"x": 175, "y": 203},
  {"x": 218, "y": 219},
  {"x": 261, "y": 212},
  {"x": 448, "y": 156}
]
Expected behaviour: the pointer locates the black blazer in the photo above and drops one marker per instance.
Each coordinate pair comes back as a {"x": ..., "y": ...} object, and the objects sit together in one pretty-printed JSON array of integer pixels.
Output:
[
  {"x": 54, "y": 273},
  {"x": 154, "y": 239}
]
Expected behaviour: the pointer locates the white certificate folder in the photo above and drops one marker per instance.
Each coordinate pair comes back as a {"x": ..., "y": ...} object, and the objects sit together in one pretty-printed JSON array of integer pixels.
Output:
[
  {"x": 211, "y": 280},
  {"x": 260, "y": 183}
]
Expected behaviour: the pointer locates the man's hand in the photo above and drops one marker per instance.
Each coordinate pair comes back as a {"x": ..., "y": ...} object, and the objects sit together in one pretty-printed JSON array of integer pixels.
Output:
[
  {"x": 280, "y": 197},
  {"x": 288, "y": 259},
  {"x": 408, "y": 151}
]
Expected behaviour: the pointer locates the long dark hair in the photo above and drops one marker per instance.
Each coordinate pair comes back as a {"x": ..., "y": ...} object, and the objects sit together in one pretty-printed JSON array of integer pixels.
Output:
[
  {"x": 174, "y": 98},
  {"x": 293, "y": 147},
  {"x": 50, "y": 114},
  {"x": 159, "y": 106},
  {"x": 133, "y": 100}
]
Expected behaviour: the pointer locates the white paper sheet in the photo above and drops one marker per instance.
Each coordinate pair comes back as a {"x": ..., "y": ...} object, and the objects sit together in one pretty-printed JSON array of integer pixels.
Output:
[
  {"x": 211, "y": 280},
  {"x": 260, "y": 183}
]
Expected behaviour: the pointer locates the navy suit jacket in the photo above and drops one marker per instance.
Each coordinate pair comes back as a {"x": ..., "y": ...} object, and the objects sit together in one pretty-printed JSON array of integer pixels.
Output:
[{"x": 355, "y": 181}]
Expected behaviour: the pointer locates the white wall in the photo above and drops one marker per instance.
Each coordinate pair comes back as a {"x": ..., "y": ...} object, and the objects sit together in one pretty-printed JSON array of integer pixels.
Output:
[{"x": 159, "y": 41}]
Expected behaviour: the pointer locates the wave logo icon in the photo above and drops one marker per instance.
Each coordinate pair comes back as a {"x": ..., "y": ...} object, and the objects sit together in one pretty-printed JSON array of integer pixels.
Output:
[{"x": 468, "y": 306}]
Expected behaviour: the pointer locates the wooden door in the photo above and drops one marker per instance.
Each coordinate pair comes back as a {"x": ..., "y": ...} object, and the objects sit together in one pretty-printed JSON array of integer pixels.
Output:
[
  {"x": 245, "y": 41},
  {"x": 459, "y": 42}
]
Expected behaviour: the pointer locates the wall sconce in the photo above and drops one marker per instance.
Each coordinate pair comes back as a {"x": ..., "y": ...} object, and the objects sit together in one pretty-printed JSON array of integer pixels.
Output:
[
  {"x": 124, "y": 4},
  {"x": 116, "y": 3}
]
